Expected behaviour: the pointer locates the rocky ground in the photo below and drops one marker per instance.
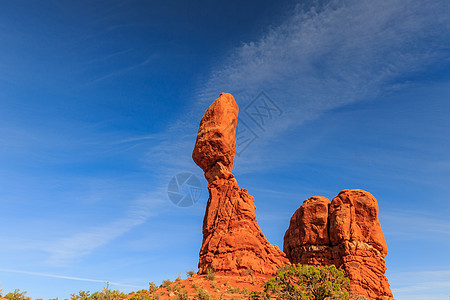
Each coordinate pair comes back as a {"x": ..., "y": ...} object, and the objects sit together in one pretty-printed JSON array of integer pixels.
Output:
[{"x": 221, "y": 287}]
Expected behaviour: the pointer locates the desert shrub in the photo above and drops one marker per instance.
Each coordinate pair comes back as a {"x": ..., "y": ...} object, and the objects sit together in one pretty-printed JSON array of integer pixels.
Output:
[
  {"x": 210, "y": 274},
  {"x": 152, "y": 287},
  {"x": 182, "y": 295},
  {"x": 257, "y": 295},
  {"x": 202, "y": 294},
  {"x": 361, "y": 297},
  {"x": 17, "y": 295},
  {"x": 190, "y": 273},
  {"x": 166, "y": 283},
  {"x": 233, "y": 290},
  {"x": 82, "y": 295},
  {"x": 141, "y": 295},
  {"x": 106, "y": 294},
  {"x": 308, "y": 283}
]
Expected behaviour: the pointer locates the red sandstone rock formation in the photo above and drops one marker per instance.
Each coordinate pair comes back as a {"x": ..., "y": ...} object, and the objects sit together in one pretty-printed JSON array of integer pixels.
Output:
[
  {"x": 346, "y": 233},
  {"x": 232, "y": 239}
]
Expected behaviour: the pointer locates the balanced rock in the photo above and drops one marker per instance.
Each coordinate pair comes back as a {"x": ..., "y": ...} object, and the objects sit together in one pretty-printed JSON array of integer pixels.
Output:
[
  {"x": 345, "y": 233},
  {"x": 232, "y": 239},
  {"x": 216, "y": 138}
]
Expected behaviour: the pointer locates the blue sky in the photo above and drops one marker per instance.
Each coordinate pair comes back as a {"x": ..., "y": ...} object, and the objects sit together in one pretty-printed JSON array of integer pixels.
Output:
[{"x": 100, "y": 104}]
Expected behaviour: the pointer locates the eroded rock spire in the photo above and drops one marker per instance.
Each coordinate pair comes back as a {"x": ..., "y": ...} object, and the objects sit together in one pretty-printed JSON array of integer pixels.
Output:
[{"x": 232, "y": 240}]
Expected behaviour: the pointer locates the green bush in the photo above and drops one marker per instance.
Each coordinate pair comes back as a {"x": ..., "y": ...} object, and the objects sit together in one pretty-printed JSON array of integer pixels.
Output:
[
  {"x": 106, "y": 294},
  {"x": 182, "y": 295},
  {"x": 141, "y": 295},
  {"x": 213, "y": 284},
  {"x": 308, "y": 283},
  {"x": 257, "y": 295},
  {"x": 190, "y": 273},
  {"x": 152, "y": 287},
  {"x": 166, "y": 283},
  {"x": 210, "y": 274},
  {"x": 17, "y": 295},
  {"x": 82, "y": 295},
  {"x": 202, "y": 295}
]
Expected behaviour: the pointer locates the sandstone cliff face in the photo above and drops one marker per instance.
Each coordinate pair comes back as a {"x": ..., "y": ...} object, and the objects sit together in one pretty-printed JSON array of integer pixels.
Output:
[
  {"x": 232, "y": 240},
  {"x": 346, "y": 233}
]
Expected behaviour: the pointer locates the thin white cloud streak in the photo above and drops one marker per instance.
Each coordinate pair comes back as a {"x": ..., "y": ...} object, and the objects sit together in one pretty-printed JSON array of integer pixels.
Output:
[
  {"x": 69, "y": 249},
  {"x": 425, "y": 285},
  {"x": 109, "y": 56},
  {"x": 137, "y": 139},
  {"x": 68, "y": 277},
  {"x": 404, "y": 224},
  {"x": 114, "y": 73}
]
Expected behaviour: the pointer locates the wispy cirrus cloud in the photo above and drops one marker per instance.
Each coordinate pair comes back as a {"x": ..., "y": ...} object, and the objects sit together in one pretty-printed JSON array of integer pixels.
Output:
[
  {"x": 332, "y": 54},
  {"x": 403, "y": 224},
  {"x": 325, "y": 55},
  {"x": 423, "y": 285},
  {"x": 122, "y": 70},
  {"x": 67, "y": 277}
]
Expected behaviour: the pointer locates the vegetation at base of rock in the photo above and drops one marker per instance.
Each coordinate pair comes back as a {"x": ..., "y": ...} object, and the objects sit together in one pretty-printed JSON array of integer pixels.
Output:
[
  {"x": 16, "y": 295},
  {"x": 202, "y": 294},
  {"x": 210, "y": 274},
  {"x": 106, "y": 294},
  {"x": 182, "y": 295},
  {"x": 213, "y": 284},
  {"x": 292, "y": 282},
  {"x": 141, "y": 295},
  {"x": 302, "y": 282},
  {"x": 166, "y": 283}
]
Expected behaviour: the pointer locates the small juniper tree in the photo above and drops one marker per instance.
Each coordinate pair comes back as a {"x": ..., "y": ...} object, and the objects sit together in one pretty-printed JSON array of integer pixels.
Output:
[
  {"x": 17, "y": 295},
  {"x": 210, "y": 274},
  {"x": 190, "y": 273}
]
